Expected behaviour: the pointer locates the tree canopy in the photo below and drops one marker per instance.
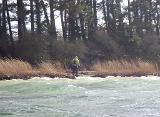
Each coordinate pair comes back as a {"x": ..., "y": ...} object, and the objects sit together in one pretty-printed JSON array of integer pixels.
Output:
[{"x": 92, "y": 29}]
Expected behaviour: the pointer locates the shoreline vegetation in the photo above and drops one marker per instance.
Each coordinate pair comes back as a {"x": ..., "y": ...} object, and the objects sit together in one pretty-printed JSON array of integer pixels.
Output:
[
  {"x": 18, "y": 69},
  {"x": 39, "y": 31},
  {"x": 126, "y": 68}
]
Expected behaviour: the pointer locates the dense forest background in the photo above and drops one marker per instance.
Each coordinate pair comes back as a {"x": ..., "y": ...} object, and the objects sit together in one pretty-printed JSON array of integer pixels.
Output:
[{"x": 90, "y": 29}]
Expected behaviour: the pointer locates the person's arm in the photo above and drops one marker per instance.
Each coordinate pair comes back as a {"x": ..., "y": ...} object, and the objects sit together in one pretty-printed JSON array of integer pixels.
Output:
[{"x": 78, "y": 62}]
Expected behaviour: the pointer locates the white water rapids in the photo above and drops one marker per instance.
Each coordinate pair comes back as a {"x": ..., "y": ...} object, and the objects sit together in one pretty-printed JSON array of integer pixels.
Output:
[{"x": 83, "y": 97}]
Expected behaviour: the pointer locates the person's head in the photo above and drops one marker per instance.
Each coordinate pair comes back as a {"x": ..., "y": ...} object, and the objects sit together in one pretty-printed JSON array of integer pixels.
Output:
[{"x": 76, "y": 57}]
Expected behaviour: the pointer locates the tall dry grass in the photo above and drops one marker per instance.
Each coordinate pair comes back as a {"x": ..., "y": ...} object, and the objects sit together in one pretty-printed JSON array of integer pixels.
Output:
[
  {"x": 51, "y": 68},
  {"x": 14, "y": 68},
  {"x": 123, "y": 67},
  {"x": 20, "y": 69}
]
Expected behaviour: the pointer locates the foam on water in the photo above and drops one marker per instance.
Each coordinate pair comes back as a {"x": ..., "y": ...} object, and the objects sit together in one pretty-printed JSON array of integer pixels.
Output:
[
  {"x": 150, "y": 77},
  {"x": 88, "y": 78},
  {"x": 84, "y": 97}
]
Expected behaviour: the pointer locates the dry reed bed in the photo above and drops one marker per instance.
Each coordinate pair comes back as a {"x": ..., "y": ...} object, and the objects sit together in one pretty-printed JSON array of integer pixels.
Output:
[
  {"x": 12, "y": 68},
  {"x": 51, "y": 69},
  {"x": 126, "y": 68}
]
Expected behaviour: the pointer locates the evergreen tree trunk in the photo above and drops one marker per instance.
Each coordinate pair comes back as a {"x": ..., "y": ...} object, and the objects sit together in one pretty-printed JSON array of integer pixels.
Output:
[
  {"x": 157, "y": 18},
  {"x": 52, "y": 28},
  {"x": 129, "y": 19},
  {"x": 120, "y": 18},
  {"x": 71, "y": 21},
  {"x": 0, "y": 19},
  {"x": 157, "y": 25},
  {"x": 45, "y": 13},
  {"x": 62, "y": 21},
  {"x": 20, "y": 20},
  {"x": 108, "y": 17},
  {"x": 95, "y": 14},
  {"x": 38, "y": 16},
  {"x": 52, "y": 19},
  {"x": 10, "y": 30},
  {"x": 113, "y": 19},
  {"x": 32, "y": 16},
  {"x": 83, "y": 32},
  {"x": 90, "y": 19},
  {"x": 82, "y": 24},
  {"x": 4, "y": 29},
  {"x": 150, "y": 16},
  {"x": 77, "y": 29},
  {"x": 63, "y": 25},
  {"x": 141, "y": 19},
  {"x": 104, "y": 14},
  {"x": 129, "y": 13}
]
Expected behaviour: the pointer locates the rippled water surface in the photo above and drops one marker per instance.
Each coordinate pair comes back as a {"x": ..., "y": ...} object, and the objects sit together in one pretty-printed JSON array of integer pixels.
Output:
[{"x": 84, "y": 97}]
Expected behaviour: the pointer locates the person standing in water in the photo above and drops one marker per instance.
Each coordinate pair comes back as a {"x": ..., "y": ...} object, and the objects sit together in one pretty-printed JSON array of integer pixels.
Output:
[{"x": 75, "y": 66}]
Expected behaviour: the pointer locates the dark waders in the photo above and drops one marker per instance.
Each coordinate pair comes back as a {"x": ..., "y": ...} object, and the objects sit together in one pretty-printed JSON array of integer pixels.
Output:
[{"x": 75, "y": 70}]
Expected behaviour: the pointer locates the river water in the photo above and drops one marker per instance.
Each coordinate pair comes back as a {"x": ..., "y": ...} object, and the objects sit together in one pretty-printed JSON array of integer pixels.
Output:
[{"x": 84, "y": 97}]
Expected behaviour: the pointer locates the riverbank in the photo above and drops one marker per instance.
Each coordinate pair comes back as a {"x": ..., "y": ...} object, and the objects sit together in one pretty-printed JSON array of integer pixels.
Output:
[
  {"x": 126, "y": 68},
  {"x": 18, "y": 69}
]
